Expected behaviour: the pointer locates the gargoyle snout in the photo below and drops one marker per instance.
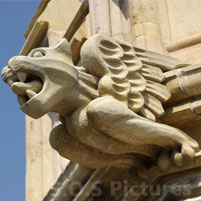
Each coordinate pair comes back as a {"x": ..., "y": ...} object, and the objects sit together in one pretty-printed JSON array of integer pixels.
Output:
[
  {"x": 5, "y": 73},
  {"x": 11, "y": 61}
]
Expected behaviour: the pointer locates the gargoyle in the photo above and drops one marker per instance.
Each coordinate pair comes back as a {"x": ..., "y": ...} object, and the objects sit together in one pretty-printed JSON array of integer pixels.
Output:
[{"x": 108, "y": 107}]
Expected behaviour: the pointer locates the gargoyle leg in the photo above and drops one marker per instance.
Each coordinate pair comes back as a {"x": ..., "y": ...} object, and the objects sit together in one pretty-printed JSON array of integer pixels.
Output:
[
  {"x": 70, "y": 148},
  {"x": 77, "y": 126},
  {"x": 117, "y": 121}
]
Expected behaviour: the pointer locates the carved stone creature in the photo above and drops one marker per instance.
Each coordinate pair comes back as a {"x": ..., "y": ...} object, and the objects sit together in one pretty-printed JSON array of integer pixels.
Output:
[{"x": 108, "y": 107}]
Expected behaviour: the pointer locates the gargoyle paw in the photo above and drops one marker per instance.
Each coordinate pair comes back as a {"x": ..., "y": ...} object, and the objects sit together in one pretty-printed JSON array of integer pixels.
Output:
[{"x": 177, "y": 155}]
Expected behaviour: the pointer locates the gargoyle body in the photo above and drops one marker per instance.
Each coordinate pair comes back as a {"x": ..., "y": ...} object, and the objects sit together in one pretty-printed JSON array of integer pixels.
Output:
[{"x": 108, "y": 108}]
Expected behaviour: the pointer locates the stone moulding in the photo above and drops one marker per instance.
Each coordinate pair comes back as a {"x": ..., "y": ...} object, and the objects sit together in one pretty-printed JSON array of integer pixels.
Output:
[{"x": 109, "y": 108}]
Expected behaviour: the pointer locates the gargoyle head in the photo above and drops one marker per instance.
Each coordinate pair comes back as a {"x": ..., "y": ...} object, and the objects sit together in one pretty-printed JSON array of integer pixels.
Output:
[{"x": 43, "y": 79}]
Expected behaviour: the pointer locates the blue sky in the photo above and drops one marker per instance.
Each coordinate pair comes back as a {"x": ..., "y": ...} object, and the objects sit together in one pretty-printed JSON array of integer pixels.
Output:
[{"x": 15, "y": 17}]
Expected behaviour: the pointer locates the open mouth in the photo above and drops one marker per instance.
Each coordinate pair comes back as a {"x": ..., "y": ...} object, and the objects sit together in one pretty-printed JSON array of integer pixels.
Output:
[{"x": 25, "y": 85}]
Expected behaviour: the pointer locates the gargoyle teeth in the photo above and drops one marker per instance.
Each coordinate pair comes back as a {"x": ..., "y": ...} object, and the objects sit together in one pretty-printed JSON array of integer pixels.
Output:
[
  {"x": 21, "y": 100},
  {"x": 22, "y": 76},
  {"x": 30, "y": 93},
  {"x": 10, "y": 81}
]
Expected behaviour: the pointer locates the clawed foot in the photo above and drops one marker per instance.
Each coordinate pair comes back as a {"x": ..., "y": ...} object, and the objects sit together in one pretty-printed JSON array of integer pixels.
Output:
[{"x": 178, "y": 156}]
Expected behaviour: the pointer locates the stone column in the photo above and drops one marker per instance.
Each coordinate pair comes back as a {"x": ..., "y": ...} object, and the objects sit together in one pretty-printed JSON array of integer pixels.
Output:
[
  {"x": 110, "y": 17},
  {"x": 39, "y": 156},
  {"x": 99, "y": 13},
  {"x": 145, "y": 22}
]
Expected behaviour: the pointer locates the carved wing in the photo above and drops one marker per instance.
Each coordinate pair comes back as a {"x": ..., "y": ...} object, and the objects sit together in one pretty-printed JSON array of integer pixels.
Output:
[{"x": 131, "y": 75}]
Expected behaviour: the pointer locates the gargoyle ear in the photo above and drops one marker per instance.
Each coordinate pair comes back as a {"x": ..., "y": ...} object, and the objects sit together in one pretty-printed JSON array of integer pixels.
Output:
[{"x": 64, "y": 47}]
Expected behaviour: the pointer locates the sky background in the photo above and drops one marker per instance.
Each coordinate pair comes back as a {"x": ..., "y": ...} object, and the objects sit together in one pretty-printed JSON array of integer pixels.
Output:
[{"x": 15, "y": 17}]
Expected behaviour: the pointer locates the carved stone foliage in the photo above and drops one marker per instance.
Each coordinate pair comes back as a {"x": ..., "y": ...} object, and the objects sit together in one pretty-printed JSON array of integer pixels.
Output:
[{"x": 109, "y": 107}]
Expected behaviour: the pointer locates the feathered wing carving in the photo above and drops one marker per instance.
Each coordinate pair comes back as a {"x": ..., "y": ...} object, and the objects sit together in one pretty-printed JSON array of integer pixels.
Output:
[
  {"x": 134, "y": 77},
  {"x": 124, "y": 76}
]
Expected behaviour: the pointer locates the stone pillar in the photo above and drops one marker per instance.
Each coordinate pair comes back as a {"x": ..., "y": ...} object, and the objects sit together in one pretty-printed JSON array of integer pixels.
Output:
[
  {"x": 99, "y": 17},
  {"x": 39, "y": 156},
  {"x": 110, "y": 17},
  {"x": 134, "y": 21},
  {"x": 145, "y": 22}
]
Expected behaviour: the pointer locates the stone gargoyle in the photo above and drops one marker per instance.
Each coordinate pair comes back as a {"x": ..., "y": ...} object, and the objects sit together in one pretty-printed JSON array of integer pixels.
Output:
[{"x": 108, "y": 107}]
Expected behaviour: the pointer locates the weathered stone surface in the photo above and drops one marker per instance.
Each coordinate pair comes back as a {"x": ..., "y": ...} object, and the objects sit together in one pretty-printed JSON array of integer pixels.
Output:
[
  {"x": 149, "y": 24},
  {"x": 105, "y": 106},
  {"x": 59, "y": 13}
]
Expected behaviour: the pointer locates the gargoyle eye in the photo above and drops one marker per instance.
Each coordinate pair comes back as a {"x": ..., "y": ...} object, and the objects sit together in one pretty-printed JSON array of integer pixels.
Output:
[{"x": 38, "y": 54}]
